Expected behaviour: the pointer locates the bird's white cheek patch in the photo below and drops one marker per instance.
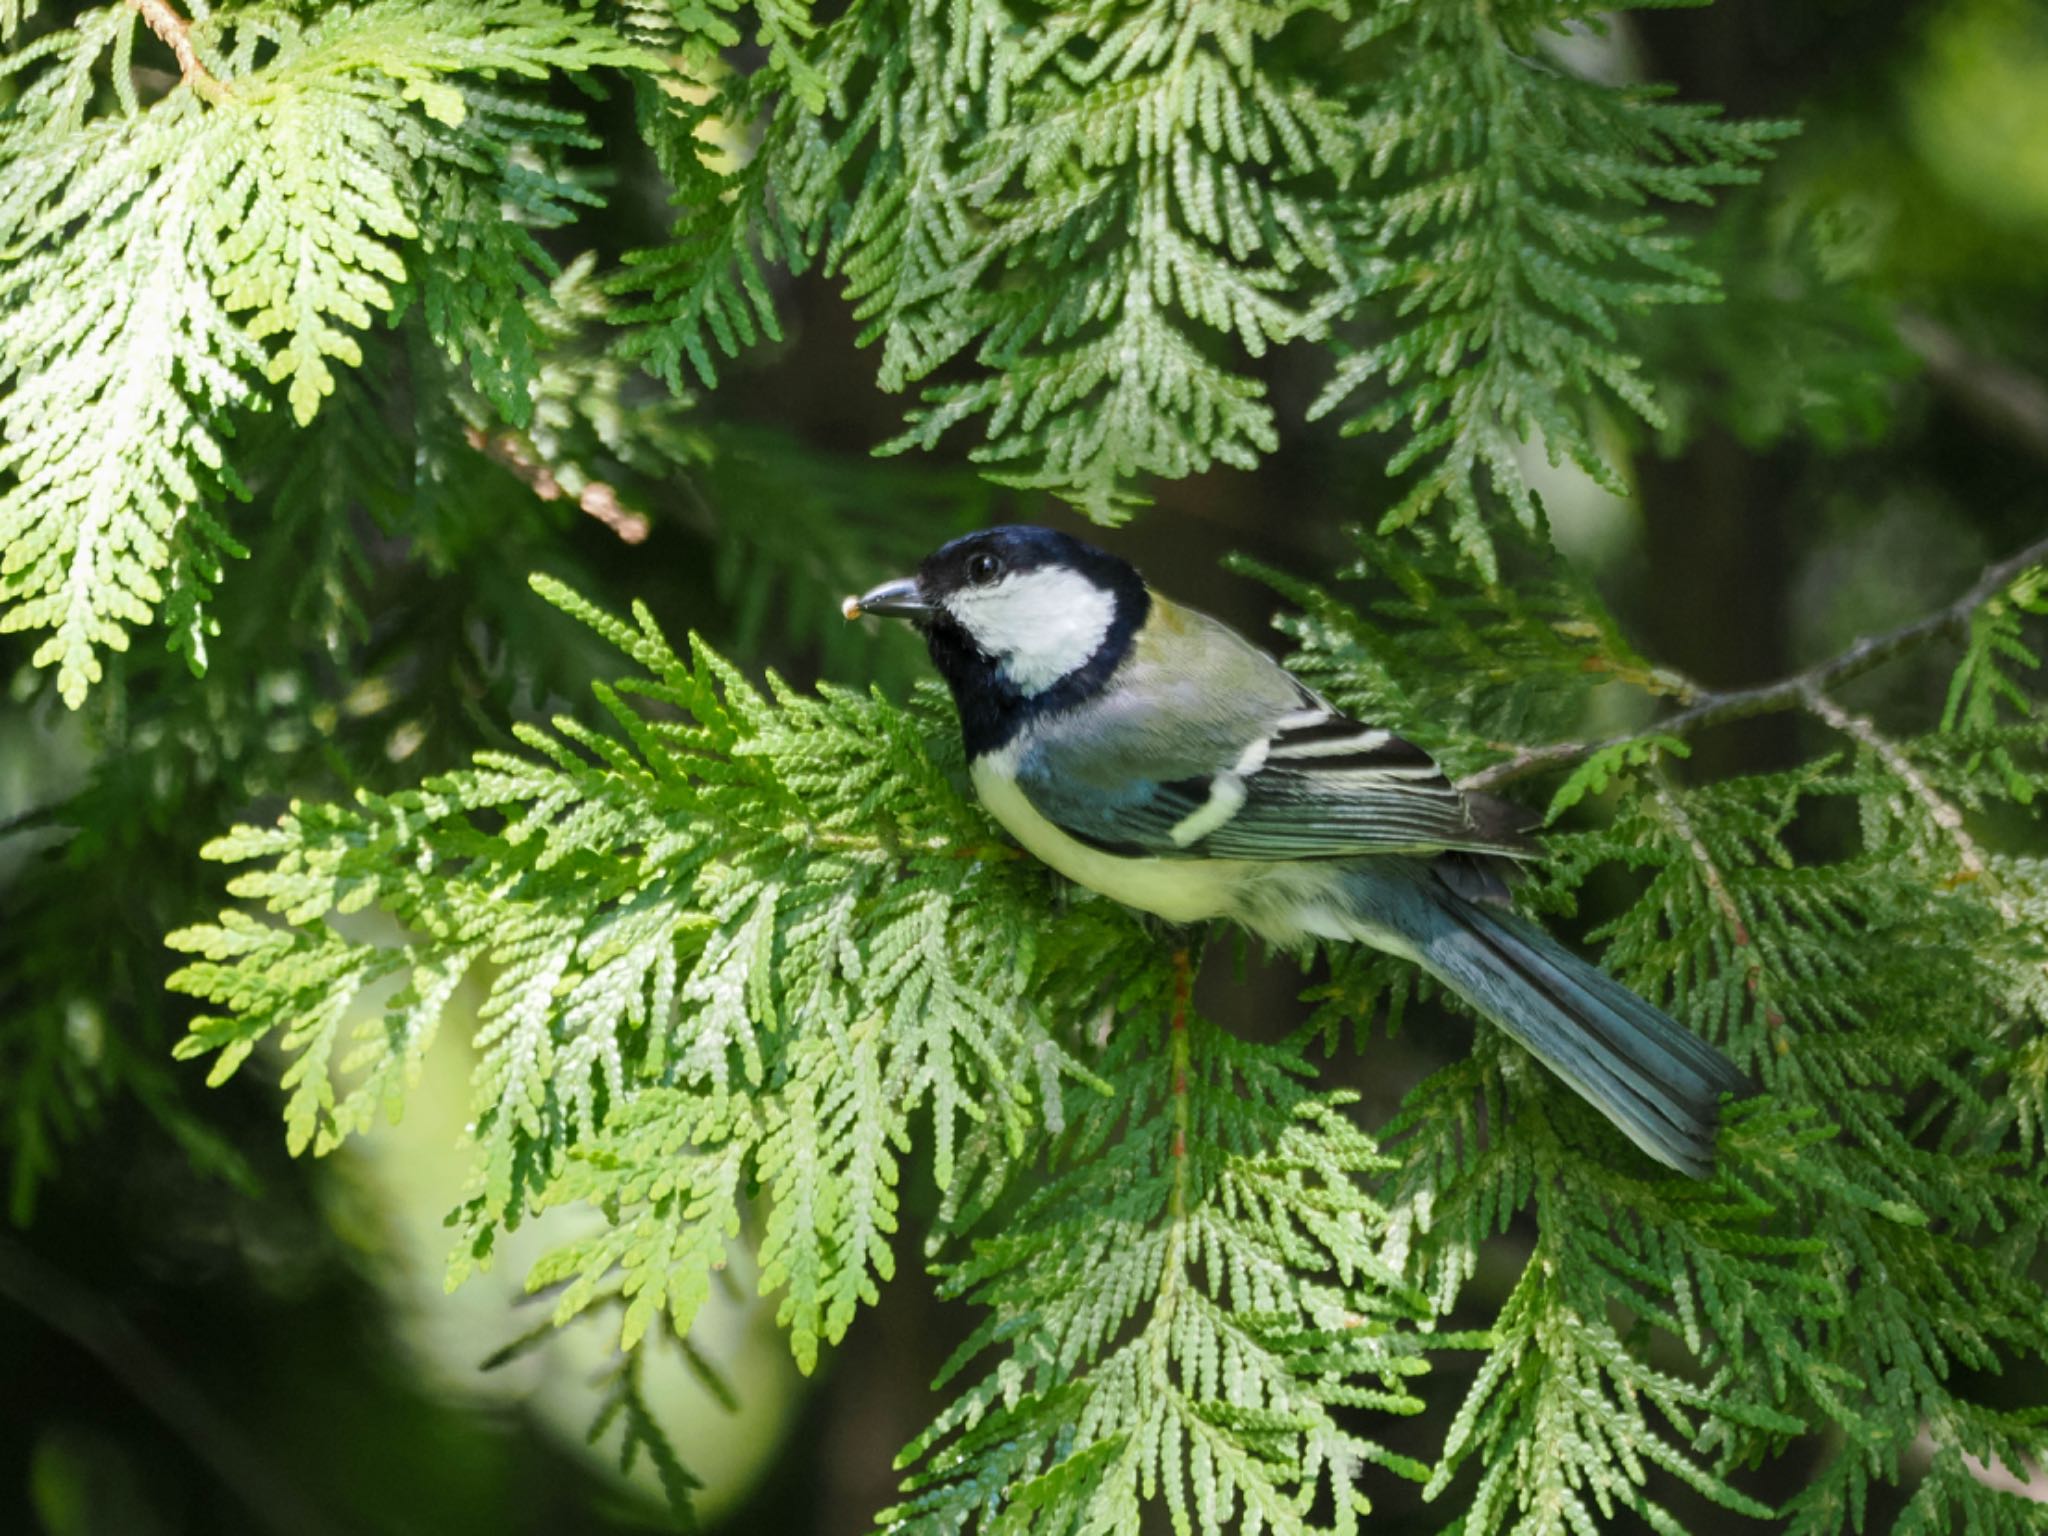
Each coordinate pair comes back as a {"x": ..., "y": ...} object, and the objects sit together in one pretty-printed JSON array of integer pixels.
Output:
[{"x": 1039, "y": 625}]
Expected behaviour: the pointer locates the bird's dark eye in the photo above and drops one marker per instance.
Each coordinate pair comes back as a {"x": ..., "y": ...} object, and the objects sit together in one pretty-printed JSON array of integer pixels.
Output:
[{"x": 983, "y": 568}]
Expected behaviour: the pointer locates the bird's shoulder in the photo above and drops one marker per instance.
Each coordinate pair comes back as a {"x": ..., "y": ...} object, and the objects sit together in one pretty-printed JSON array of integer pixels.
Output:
[
  {"x": 1177, "y": 642},
  {"x": 1188, "y": 697},
  {"x": 1201, "y": 745}
]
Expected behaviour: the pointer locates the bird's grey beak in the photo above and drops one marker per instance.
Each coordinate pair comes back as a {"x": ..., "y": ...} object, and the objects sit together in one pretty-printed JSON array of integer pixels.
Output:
[{"x": 898, "y": 599}]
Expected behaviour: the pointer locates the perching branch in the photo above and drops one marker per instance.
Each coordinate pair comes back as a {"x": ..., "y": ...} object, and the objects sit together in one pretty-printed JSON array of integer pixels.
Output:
[
  {"x": 176, "y": 34},
  {"x": 1706, "y": 707}
]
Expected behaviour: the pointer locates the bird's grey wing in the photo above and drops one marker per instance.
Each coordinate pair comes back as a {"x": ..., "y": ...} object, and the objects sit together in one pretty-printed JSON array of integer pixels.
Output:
[{"x": 1211, "y": 750}]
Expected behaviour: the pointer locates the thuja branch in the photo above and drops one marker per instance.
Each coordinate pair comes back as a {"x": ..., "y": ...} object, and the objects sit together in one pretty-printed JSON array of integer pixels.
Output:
[
  {"x": 175, "y": 32},
  {"x": 1941, "y": 812},
  {"x": 1706, "y": 707},
  {"x": 595, "y": 498}
]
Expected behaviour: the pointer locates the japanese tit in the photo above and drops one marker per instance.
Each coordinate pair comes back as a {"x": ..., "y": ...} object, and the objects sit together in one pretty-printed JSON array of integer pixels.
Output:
[{"x": 1150, "y": 753}]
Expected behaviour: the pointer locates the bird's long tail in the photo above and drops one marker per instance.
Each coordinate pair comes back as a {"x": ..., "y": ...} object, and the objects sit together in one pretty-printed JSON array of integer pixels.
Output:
[{"x": 1655, "y": 1079}]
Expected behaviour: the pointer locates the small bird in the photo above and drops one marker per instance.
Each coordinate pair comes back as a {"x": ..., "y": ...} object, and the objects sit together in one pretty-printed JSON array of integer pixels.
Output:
[{"x": 1151, "y": 754}]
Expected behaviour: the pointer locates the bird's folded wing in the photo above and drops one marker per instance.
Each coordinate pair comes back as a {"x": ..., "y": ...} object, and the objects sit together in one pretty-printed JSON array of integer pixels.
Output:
[{"x": 1310, "y": 783}]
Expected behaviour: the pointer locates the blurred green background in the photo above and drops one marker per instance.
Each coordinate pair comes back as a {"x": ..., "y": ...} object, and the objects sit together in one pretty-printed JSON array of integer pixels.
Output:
[{"x": 200, "y": 1335}]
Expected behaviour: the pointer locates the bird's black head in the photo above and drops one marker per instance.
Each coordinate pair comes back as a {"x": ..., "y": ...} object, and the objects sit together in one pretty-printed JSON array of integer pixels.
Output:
[{"x": 1021, "y": 621}]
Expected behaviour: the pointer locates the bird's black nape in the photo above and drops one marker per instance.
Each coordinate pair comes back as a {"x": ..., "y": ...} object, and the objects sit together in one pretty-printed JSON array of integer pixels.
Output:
[{"x": 992, "y": 709}]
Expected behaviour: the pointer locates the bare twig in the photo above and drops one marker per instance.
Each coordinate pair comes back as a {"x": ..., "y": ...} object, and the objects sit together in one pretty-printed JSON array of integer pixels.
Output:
[
  {"x": 597, "y": 498},
  {"x": 62, "y": 1304},
  {"x": 36, "y": 816},
  {"x": 176, "y": 32},
  {"x": 2000, "y": 395},
  {"x": 600, "y": 501},
  {"x": 1717, "y": 707},
  {"x": 1941, "y": 812}
]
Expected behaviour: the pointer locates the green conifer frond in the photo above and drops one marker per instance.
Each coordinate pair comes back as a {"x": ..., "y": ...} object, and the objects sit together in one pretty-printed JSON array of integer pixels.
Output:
[
  {"x": 750, "y": 962},
  {"x": 1184, "y": 1315},
  {"x": 741, "y": 941},
  {"x": 112, "y": 451},
  {"x": 705, "y": 288},
  {"x": 1987, "y": 688},
  {"x": 1184, "y": 200},
  {"x": 1798, "y": 341},
  {"x": 1509, "y": 238},
  {"x": 640, "y": 1434},
  {"x": 776, "y": 918},
  {"x": 257, "y": 223},
  {"x": 1860, "y": 1244},
  {"x": 1080, "y": 235},
  {"x": 1075, "y": 236},
  {"x": 12, "y": 14}
]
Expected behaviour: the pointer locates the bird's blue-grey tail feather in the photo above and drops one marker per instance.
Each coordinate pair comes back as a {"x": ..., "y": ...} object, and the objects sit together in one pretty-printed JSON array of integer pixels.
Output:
[{"x": 1655, "y": 1079}]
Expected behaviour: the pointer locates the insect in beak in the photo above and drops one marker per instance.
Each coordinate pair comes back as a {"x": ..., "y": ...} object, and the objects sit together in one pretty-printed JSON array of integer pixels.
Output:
[{"x": 898, "y": 599}]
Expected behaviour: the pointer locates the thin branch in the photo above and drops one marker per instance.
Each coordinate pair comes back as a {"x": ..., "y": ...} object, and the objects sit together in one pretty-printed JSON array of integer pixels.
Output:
[
  {"x": 2001, "y": 396},
  {"x": 34, "y": 817},
  {"x": 597, "y": 498},
  {"x": 1710, "y": 872},
  {"x": 176, "y": 34},
  {"x": 65, "y": 1306},
  {"x": 1941, "y": 812},
  {"x": 1717, "y": 707}
]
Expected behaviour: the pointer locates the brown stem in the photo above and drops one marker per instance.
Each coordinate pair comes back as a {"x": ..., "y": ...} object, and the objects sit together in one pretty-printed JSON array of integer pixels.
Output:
[
  {"x": 1710, "y": 872},
  {"x": 1942, "y": 812},
  {"x": 176, "y": 33},
  {"x": 1177, "y": 1029},
  {"x": 598, "y": 498},
  {"x": 1714, "y": 707}
]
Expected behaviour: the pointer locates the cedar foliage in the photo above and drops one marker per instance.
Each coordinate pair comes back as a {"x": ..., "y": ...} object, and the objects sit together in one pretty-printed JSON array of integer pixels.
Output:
[
  {"x": 738, "y": 939},
  {"x": 1200, "y": 189},
  {"x": 747, "y": 949}
]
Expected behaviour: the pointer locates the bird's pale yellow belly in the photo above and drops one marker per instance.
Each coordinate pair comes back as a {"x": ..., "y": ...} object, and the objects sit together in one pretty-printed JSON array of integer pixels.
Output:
[{"x": 1179, "y": 890}]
